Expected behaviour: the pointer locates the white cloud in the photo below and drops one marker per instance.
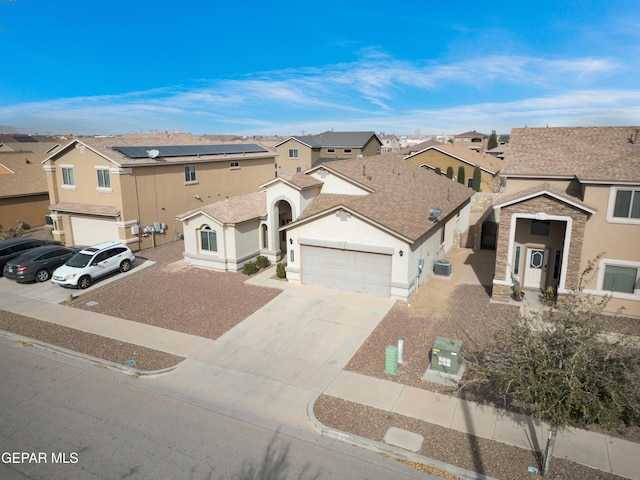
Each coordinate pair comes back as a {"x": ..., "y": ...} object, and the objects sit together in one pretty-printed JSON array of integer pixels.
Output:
[{"x": 378, "y": 92}]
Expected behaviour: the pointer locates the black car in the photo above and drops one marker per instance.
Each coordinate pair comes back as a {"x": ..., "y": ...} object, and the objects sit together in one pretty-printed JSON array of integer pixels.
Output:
[
  {"x": 12, "y": 247},
  {"x": 37, "y": 264}
]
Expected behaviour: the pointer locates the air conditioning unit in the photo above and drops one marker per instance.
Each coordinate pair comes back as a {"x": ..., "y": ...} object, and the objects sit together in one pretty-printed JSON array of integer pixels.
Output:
[{"x": 442, "y": 268}]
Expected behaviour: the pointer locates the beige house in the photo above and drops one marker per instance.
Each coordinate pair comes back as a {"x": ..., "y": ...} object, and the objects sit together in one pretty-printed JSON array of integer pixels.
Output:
[
  {"x": 130, "y": 187},
  {"x": 24, "y": 197},
  {"x": 445, "y": 155},
  {"x": 474, "y": 140},
  {"x": 298, "y": 154},
  {"x": 571, "y": 195},
  {"x": 374, "y": 224}
]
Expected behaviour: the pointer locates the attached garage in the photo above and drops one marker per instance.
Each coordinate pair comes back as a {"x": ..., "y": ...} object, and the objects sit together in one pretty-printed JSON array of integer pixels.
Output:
[
  {"x": 92, "y": 230},
  {"x": 346, "y": 269}
]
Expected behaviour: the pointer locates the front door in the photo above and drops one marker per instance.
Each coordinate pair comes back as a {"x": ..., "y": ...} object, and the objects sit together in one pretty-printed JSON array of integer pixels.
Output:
[{"x": 535, "y": 275}]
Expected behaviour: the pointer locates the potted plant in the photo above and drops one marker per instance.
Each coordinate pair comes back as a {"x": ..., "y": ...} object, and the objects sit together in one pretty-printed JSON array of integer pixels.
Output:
[
  {"x": 517, "y": 293},
  {"x": 549, "y": 296}
]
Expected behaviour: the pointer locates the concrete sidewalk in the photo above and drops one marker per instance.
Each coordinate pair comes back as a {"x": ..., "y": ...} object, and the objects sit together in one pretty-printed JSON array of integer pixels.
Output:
[{"x": 594, "y": 450}]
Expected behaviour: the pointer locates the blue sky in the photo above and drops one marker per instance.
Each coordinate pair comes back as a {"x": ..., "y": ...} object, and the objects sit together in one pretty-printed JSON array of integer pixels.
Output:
[{"x": 284, "y": 68}]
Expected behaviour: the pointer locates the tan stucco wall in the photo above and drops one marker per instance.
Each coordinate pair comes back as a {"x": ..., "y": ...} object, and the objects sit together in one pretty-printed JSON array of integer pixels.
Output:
[
  {"x": 614, "y": 240},
  {"x": 30, "y": 210},
  {"x": 435, "y": 159},
  {"x": 286, "y": 165},
  {"x": 145, "y": 195}
]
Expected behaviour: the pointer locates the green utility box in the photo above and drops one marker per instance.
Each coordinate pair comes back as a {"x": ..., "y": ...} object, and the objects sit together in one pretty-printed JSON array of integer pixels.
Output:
[{"x": 445, "y": 355}]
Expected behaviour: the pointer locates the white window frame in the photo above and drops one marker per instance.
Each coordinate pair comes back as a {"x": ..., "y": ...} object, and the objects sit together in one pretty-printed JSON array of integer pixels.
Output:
[
  {"x": 68, "y": 186},
  {"x": 190, "y": 175},
  {"x": 617, "y": 263},
  {"x": 346, "y": 150},
  {"x": 613, "y": 193},
  {"x": 209, "y": 230},
  {"x": 293, "y": 153},
  {"x": 234, "y": 165},
  {"x": 331, "y": 150},
  {"x": 106, "y": 187}
]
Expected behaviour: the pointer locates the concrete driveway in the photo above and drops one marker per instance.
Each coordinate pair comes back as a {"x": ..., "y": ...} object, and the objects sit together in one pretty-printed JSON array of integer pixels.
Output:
[
  {"x": 271, "y": 365},
  {"x": 50, "y": 293}
]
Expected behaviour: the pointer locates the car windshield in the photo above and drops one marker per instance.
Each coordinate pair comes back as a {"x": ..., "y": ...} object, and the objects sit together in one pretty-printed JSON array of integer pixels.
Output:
[{"x": 79, "y": 260}]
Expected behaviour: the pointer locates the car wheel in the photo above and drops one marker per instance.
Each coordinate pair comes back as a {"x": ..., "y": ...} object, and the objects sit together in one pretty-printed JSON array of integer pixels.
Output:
[
  {"x": 42, "y": 275},
  {"x": 125, "y": 266},
  {"x": 84, "y": 282}
]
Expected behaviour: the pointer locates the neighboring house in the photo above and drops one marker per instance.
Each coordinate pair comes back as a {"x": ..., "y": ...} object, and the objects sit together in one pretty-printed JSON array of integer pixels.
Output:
[
  {"x": 373, "y": 224},
  {"x": 571, "y": 195},
  {"x": 129, "y": 188},
  {"x": 24, "y": 197},
  {"x": 298, "y": 154},
  {"x": 390, "y": 144},
  {"x": 418, "y": 147},
  {"x": 474, "y": 140},
  {"x": 456, "y": 156}
]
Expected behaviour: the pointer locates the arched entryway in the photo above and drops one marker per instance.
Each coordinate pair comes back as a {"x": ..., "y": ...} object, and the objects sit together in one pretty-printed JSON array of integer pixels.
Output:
[{"x": 284, "y": 214}]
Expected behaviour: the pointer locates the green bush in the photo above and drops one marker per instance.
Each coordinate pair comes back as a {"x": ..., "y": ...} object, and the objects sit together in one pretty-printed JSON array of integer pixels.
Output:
[
  {"x": 461, "y": 175},
  {"x": 250, "y": 268},
  {"x": 280, "y": 270},
  {"x": 438, "y": 171},
  {"x": 262, "y": 262},
  {"x": 449, "y": 172}
]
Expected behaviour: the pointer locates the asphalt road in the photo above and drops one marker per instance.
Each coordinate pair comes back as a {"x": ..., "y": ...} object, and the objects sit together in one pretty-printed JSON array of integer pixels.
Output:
[{"x": 62, "y": 418}]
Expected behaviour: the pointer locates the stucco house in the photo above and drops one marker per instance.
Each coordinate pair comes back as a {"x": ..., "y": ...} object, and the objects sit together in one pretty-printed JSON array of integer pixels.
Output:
[
  {"x": 373, "y": 224},
  {"x": 474, "y": 140},
  {"x": 299, "y": 153},
  {"x": 571, "y": 194},
  {"x": 24, "y": 197},
  {"x": 456, "y": 156},
  {"x": 130, "y": 188}
]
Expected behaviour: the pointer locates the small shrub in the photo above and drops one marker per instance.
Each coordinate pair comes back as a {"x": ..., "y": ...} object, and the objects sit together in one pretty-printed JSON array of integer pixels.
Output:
[
  {"x": 249, "y": 268},
  {"x": 262, "y": 262},
  {"x": 281, "y": 270}
]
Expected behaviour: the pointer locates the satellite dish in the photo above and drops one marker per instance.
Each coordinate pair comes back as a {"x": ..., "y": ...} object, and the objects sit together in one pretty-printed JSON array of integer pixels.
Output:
[
  {"x": 153, "y": 153},
  {"x": 434, "y": 213}
]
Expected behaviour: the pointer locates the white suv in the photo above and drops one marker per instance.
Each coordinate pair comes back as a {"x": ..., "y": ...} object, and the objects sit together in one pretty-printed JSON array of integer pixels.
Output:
[{"x": 93, "y": 262}]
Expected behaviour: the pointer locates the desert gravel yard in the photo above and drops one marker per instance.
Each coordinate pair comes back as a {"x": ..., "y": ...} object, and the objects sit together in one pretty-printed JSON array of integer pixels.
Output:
[{"x": 176, "y": 296}]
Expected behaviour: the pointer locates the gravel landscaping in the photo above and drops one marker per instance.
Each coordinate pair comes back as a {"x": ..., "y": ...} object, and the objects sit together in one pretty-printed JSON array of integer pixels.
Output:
[{"x": 174, "y": 296}]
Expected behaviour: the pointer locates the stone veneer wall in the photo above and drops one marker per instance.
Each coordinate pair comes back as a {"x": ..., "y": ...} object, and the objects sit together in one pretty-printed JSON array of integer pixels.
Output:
[{"x": 549, "y": 206}]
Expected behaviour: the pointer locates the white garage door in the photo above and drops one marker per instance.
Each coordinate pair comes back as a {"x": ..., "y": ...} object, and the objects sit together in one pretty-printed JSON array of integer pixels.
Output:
[
  {"x": 89, "y": 231},
  {"x": 346, "y": 270}
]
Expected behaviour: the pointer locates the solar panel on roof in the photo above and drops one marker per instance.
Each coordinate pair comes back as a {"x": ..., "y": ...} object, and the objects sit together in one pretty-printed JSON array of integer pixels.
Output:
[
  {"x": 24, "y": 139},
  {"x": 190, "y": 150}
]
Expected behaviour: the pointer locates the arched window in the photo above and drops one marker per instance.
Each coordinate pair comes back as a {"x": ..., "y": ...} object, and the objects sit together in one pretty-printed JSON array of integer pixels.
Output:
[{"x": 208, "y": 240}]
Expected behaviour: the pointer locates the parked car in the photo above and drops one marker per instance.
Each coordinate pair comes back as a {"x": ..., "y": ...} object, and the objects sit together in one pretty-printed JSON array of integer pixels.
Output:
[
  {"x": 37, "y": 264},
  {"x": 94, "y": 262},
  {"x": 12, "y": 247}
]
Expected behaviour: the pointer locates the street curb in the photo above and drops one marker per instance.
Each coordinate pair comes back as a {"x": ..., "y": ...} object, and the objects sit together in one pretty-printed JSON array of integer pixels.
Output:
[
  {"x": 383, "y": 448},
  {"x": 99, "y": 362}
]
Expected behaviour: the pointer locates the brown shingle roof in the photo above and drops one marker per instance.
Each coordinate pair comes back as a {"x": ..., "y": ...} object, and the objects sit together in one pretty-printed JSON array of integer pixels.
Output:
[
  {"x": 487, "y": 162},
  {"x": 402, "y": 194},
  {"x": 234, "y": 209},
  {"x": 21, "y": 172},
  {"x": 588, "y": 153},
  {"x": 542, "y": 189}
]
